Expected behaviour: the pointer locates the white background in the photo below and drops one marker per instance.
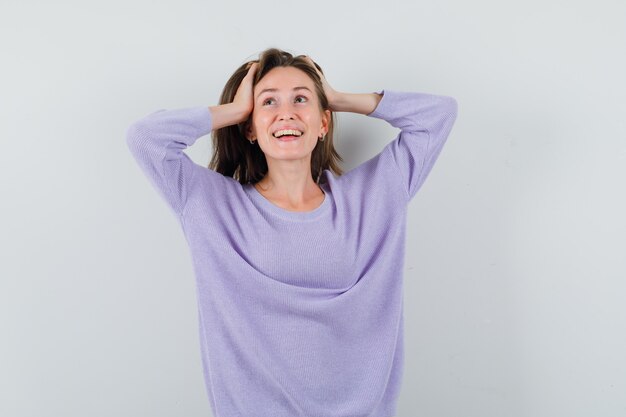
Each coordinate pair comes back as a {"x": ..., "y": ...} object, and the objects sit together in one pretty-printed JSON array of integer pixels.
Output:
[{"x": 515, "y": 263}]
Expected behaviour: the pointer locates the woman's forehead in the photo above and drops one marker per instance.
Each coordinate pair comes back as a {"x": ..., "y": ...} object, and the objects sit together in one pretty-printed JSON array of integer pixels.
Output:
[{"x": 285, "y": 78}]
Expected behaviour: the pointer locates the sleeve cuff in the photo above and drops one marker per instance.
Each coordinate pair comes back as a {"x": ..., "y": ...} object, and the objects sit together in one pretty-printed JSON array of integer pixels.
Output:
[{"x": 379, "y": 110}]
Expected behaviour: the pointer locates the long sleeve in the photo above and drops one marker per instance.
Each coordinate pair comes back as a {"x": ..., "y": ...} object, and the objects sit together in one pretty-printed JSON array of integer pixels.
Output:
[
  {"x": 288, "y": 301},
  {"x": 157, "y": 142},
  {"x": 425, "y": 121}
]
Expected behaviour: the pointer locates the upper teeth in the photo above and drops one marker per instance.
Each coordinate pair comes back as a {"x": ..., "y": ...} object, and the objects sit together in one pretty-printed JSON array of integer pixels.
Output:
[{"x": 291, "y": 132}]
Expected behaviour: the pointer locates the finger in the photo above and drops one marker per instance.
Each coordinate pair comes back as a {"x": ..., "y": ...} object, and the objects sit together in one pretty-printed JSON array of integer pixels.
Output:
[
  {"x": 251, "y": 71},
  {"x": 312, "y": 63}
]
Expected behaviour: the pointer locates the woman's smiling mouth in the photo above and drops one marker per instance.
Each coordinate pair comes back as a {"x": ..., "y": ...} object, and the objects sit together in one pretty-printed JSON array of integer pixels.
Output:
[{"x": 286, "y": 135}]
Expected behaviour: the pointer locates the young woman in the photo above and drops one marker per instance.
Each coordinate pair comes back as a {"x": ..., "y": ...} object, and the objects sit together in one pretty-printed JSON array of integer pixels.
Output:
[{"x": 298, "y": 266}]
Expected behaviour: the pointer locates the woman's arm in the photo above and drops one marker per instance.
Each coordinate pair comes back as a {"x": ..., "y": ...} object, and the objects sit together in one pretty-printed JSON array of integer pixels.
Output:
[
  {"x": 157, "y": 141},
  {"x": 425, "y": 121},
  {"x": 227, "y": 114},
  {"x": 354, "y": 102}
]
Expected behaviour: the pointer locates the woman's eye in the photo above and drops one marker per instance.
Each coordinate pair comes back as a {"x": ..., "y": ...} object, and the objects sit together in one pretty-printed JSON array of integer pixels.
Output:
[{"x": 271, "y": 99}]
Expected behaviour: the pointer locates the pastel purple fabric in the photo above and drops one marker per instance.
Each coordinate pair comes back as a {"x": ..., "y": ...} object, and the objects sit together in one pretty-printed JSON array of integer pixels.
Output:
[{"x": 300, "y": 313}]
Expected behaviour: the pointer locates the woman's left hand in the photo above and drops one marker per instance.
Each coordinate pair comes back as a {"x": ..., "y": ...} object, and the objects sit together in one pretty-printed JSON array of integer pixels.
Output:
[{"x": 331, "y": 93}]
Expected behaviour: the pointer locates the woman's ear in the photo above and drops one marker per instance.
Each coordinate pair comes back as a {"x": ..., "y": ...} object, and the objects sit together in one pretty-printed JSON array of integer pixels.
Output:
[
  {"x": 326, "y": 120},
  {"x": 249, "y": 130}
]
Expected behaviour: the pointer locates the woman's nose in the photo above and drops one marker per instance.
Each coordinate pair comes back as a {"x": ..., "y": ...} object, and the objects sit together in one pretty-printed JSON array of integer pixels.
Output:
[{"x": 286, "y": 111}]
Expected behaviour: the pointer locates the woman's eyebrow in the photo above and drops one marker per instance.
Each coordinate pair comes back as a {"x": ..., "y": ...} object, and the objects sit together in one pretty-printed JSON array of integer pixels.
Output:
[{"x": 276, "y": 89}]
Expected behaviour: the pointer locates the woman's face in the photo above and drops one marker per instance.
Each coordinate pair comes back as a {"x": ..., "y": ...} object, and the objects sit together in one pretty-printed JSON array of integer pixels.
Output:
[{"x": 285, "y": 98}]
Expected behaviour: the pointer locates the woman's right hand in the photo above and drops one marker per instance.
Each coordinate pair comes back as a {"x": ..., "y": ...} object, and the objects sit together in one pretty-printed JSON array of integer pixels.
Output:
[
  {"x": 238, "y": 111},
  {"x": 244, "y": 97}
]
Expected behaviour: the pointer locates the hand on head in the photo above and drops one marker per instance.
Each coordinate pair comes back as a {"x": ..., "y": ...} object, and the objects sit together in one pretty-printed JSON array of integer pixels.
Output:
[
  {"x": 244, "y": 97},
  {"x": 331, "y": 93}
]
